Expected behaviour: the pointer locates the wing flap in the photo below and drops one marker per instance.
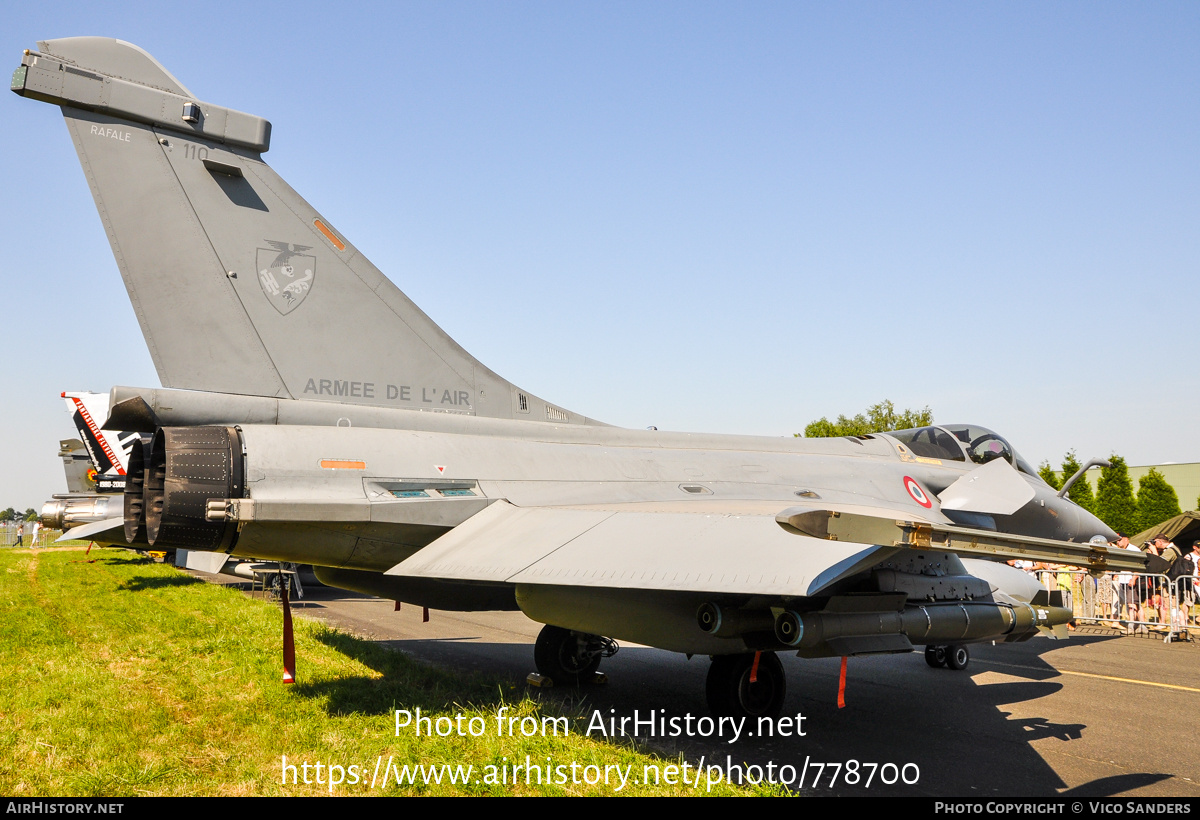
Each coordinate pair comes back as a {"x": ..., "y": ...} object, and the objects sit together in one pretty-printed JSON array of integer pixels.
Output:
[
  {"x": 498, "y": 543},
  {"x": 680, "y": 551}
]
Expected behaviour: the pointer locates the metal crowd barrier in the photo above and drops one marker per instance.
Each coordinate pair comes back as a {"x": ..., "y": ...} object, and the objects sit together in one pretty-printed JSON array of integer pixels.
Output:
[
  {"x": 1134, "y": 602},
  {"x": 8, "y": 535}
]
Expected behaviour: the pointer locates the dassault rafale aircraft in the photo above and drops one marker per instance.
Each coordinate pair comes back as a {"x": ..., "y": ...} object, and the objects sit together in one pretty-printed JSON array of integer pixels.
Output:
[{"x": 311, "y": 413}]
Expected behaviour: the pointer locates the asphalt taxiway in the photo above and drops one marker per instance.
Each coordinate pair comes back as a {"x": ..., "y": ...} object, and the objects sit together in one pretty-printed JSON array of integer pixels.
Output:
[{"x": 1096, "y": 715}]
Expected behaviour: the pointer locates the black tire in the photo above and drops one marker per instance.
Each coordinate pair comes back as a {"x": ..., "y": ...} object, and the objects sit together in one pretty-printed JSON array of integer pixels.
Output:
[
  {"x": 957, "y": 657},
  {"x": 562, "y": 656},
  {"x": 731, "y": 694},
  {"x": 935, "y": 656}
]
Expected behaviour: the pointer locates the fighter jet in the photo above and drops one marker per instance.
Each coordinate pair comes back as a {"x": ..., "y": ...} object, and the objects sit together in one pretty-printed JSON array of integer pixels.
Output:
[{"x": 311, "y": 413}]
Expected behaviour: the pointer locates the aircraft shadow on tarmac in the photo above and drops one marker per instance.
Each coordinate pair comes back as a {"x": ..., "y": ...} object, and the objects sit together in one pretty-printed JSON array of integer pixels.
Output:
[
  {"x": 1118, "y": 784},
  {"x": 966, "y": 737}
]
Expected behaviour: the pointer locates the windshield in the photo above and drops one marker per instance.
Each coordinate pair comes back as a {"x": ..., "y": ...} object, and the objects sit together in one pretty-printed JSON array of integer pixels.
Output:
[
  {"x": 958, "y": 442},
  {"x": 930, "y": 442},
  {"x": 982, "y": 446}
]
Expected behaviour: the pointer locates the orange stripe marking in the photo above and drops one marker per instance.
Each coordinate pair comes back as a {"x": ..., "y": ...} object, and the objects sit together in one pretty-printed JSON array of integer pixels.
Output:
[
  {"x": 336, "y": 464},
  {"x": 337, "y": 243}
]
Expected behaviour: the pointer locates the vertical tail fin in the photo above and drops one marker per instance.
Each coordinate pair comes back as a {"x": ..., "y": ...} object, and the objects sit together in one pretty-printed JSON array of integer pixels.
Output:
[
  {"x": 108, "y": 449},
  {"x": 239, "y": 285},
  {"x": 77, "y": 465}
]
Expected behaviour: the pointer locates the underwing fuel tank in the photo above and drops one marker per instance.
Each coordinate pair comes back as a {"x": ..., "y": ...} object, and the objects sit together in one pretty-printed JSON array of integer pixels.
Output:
[
  {"x": 925, "y": 597},
  {"x": 872, "y": 623},
  {"x": 850, "y": 633}
]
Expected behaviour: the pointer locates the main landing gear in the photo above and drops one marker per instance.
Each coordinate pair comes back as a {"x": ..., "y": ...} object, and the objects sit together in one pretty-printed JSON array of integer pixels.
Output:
[
  {"x": 955, "y": 656},
  {"x": 736, "y": 688},
  {"x": 570, "y": 658}
]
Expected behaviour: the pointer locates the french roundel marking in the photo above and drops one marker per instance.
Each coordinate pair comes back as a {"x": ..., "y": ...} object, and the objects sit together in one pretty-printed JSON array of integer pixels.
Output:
[{"x": 914, "y": 490}]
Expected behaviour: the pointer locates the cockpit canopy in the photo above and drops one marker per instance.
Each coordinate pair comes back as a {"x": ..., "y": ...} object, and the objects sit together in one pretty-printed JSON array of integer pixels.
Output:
[{"x": 959, "y": 442}]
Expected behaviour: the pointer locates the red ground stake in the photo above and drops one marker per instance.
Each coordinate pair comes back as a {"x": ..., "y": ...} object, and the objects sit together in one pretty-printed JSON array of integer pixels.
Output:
[
  {"x": 289, "y": 645},
  {"x": 842, "y": 686}
]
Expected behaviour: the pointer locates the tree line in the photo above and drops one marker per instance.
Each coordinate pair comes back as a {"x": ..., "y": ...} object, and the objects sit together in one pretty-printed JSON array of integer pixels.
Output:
[
  {"x": 10, "y": 514},
  {"x": 879, "y": 418}
]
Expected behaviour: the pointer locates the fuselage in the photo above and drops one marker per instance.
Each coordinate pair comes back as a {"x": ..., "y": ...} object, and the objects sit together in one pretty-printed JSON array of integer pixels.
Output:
[{"x": 380, "y": 484}]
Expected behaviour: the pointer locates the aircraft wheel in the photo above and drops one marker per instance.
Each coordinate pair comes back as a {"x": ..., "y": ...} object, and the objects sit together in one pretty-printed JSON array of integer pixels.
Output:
[
  {"x": 564, "y": 656},
  {"x": 957, "y": 657},
  {"x": 935, "y": 656},
  {"x": 275, "y": 587},
  {"x": 731, "y": 694}
]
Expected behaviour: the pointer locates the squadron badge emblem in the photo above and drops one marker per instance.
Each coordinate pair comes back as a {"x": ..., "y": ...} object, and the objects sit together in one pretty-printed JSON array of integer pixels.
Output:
[{"x": 286, "y": 274}]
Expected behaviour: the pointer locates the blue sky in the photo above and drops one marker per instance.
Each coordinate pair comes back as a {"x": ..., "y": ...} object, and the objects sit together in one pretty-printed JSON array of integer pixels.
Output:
[{"x": 719, "y": 217}]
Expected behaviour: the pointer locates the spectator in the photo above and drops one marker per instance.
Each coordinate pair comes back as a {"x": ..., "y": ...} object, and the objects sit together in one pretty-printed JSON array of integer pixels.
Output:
[
  {"x": 1165, "y": 550},
  {"x": 1187, "y": 580},
  {"x": 1127, "y": 597}
]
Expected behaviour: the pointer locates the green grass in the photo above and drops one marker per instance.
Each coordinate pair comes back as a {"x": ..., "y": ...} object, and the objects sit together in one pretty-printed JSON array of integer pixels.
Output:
[{"x": 119, "y": 676}]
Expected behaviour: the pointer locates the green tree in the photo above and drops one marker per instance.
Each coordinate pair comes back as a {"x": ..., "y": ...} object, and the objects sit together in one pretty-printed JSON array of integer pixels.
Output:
[
  {"x": 31, "y": 514},
  {"x": 880, "y": 418},
  {"x": 8, "y": 515},
  {"x": 1156, "y": 500},
  {"x": 1115, "y": 504},
  {"x": 1049, "y": 476}
]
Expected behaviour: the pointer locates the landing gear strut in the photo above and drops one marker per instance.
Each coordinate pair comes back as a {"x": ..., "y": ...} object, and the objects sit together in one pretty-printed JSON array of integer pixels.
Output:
[
  {"x": 955, "y": 656},
  {"x": 570, "y": 658},
  {"x": 731, "y": 693}
]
